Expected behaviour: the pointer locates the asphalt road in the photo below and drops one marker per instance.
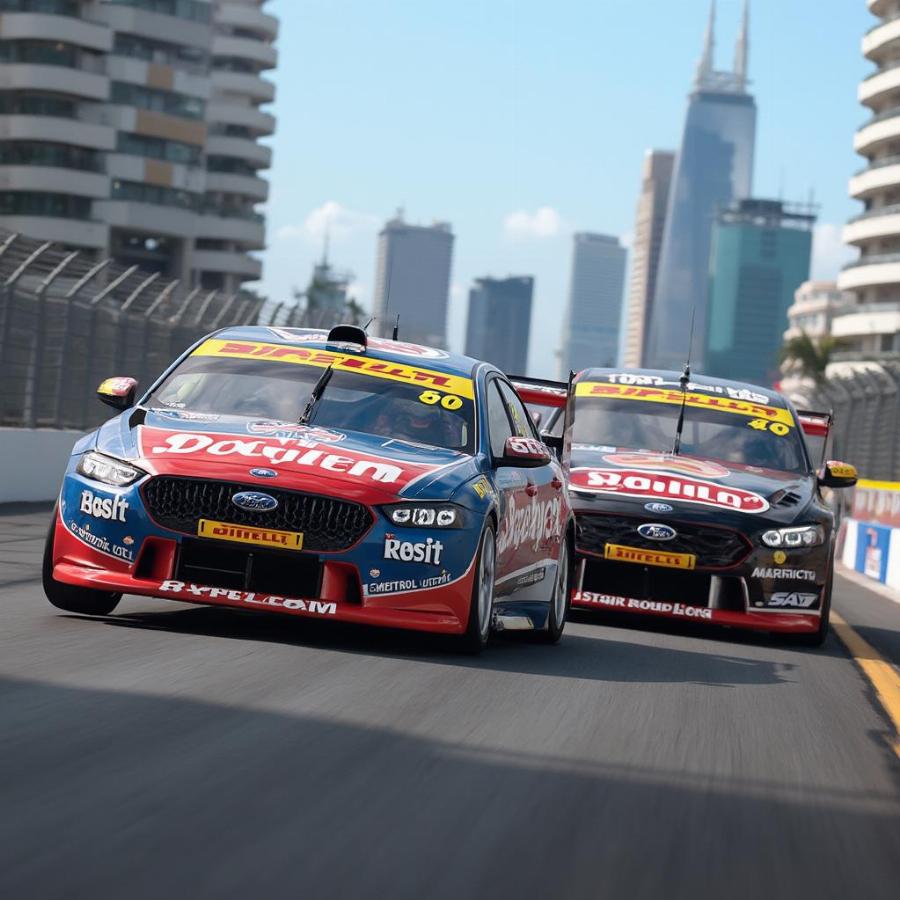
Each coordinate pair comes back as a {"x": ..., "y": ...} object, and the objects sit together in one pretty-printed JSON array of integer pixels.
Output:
[{"x": 174, "y": 751}]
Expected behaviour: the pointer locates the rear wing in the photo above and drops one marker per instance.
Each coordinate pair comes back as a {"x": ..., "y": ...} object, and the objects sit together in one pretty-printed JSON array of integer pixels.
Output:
[
  {"x": 548, "y": 403},
  {"x": 540, "y": 391}
]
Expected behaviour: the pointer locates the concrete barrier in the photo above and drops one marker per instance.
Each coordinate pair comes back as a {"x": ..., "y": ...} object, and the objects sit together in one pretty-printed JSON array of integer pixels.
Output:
[
  {"x": 32, "y": 462},
  {"x": 871, "y": 535}
]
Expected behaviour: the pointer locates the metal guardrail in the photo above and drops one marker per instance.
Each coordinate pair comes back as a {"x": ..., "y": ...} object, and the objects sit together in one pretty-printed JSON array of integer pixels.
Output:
[{"x": 68, "y": 321}]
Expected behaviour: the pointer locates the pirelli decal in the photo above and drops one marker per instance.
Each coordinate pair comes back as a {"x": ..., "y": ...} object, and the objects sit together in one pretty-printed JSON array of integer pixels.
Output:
[
  {"x": 620, "y": 553},
  {"x": 674, "y": 397},
  {"x": 242, "y": 534},
  {"x": 344, "y": 362}
]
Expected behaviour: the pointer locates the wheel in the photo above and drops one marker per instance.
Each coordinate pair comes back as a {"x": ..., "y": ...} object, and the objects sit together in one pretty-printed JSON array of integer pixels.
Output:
[
  {"x": 559, "y": 599},
  {"x": 74, "y": 599},
  {"x": 481, "y": 607},
  {"x": 817, "y": 638}
]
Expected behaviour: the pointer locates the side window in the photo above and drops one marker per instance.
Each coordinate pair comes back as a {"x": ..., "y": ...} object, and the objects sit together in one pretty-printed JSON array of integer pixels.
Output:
[
  {"x": 498, "y": 421},
  {"x": 517, "y": 412}
]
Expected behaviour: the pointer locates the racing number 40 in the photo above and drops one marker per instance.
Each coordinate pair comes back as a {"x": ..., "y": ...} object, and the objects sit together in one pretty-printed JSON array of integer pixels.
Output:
[
  {"x": 448, "y": 401},
  {"x": 778, "y": 428}
]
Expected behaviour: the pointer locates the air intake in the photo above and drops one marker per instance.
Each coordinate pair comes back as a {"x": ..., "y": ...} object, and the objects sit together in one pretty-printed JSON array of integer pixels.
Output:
[{"x": 347, "y": 334}]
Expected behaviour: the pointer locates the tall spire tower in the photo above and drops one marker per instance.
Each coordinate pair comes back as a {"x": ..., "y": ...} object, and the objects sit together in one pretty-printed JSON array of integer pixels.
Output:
[
  {"x": 706, "y": 66},
  {"x": 742, "y": 49}
]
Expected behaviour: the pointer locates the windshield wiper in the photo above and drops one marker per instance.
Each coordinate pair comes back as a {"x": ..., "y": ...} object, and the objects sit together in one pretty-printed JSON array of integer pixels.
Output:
[{"x": 316, "y": 394}]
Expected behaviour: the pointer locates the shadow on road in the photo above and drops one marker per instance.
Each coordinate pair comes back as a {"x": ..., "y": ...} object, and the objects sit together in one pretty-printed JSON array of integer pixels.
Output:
[
  {"x": 110, "y": 794},
  {"x": 596, "y": 658}
]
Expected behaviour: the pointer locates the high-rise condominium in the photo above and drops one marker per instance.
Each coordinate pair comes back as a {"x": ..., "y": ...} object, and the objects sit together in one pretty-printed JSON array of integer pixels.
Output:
[
  {"x": 590, "y": 335},
  {"x": 131, "y": 128},
  {"x": 760, "y": 256},
  {"x": 499, "y": 322},
  {"x": 714, "y": 167},
  {"x": 871, "y": 327},
  {"x": 412, "y": 280},
  {"x": 648, "y": 233}
]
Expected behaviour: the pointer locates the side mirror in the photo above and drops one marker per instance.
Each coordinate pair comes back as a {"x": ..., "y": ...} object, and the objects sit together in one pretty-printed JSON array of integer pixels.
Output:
[
  {"x": 525, "y": 453},
  {"x": 118, "y": 392},
  {"x": 836, "y": 474}
]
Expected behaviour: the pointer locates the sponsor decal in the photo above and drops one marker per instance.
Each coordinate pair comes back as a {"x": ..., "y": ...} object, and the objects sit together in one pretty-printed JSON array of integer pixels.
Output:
[
  {"x": 673, "y": 396},
  {"x": 840, "y": 469},
  {"x": 410, "y": 584},
  {"x": 779, "y": 557},
  {"x": 702, "y": 468},
  {"x": 526, "y": 446},
  {"x": 685, "y": 489},
  {"x": 242, "y": 534},
  {"x": 656, "y": 380},
  {"x": 116, "y": 387},
  {"x": 401, "y": 348},
  {"x": 307, "y": 434},
  {"x": 482, "y": 487},
  {"x": 251, "y": 598},
  {"x": 374, "y": 573},
  {"x": 112, "y": 509},
  {"x": 596, "y": 448},
  {"x": 263, "y": 473},
  {"x": 283, "y": 452},
  {"x": 427, "y": 551},
  {"x": 792, "y": 599},
  {"x": 535, "y": 523},
  {"x": 101, "y": 543},
  {"x": 654, "y": 531},
  {"x": 254, "y": 501},
  {"x": 621, "y": 553},
  {"x": 659, "y": 507},
  {"x": 128, "y": 540},
  {"x": 791, "y": 574},
  {"x": 613, "y": 601},
  {"x": 187, "y": 416},
  {"x": 342, "y": 362}
]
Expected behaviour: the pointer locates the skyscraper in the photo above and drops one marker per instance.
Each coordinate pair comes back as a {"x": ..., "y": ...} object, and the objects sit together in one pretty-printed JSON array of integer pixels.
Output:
[
  {"x": 648, "y": 233},
  {"x": 760, "y": 256},
  {"x": 499, "y": 322},
  {"x": 590, "y": 335},
  {"x": 131, "y": 129},
  {"x": 870, "y": 328},
  {"x": 714, "y": 167},
  {"x": 412, "y": 280}
]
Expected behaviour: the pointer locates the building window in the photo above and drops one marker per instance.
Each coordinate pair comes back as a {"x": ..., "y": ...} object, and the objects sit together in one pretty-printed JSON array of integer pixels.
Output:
[
  {"x": 181, "y": 9},
  {"x": 31, "y": 203},
  {"x": 14, "y": 103},
  {"x": 51, "y": 7},
  {"x": 229, "y": 165},
  {"x": 63, "y": 156},
  {"x": 42, "y": 53},
  {"x": 139, "y": 192},
  {"x": 157, "y": 148},
  {"x": 191, "y": 59},
  {"x": 167, "y": 102}
]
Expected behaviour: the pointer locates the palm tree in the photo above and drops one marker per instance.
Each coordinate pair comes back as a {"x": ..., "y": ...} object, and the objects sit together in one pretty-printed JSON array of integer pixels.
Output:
[{"x": 809, "y": 357}]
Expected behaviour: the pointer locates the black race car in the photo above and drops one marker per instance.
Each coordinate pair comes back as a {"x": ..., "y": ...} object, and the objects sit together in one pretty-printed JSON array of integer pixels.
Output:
[{"x": 696, "y": 498}]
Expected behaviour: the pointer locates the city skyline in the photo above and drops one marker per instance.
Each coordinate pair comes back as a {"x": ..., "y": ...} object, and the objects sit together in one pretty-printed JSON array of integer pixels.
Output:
[{"x": 511, "y": 101}]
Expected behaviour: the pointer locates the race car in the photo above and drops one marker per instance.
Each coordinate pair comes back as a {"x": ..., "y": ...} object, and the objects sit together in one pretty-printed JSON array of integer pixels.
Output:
[
  {"x": 332, "y": 475},
  {"x": 696, "y": 498}
]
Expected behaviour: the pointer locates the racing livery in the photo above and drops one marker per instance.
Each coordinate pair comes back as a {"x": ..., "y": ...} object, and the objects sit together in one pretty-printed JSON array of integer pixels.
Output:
[
  {"x": 696, "y": 498},
  {"x": 321, "y": 474}
]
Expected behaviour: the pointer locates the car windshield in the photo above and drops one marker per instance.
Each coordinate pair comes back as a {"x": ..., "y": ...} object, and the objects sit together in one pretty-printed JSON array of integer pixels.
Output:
[
  {"x": 712, "y": 433},
  {"x": 278, "y": 391}
]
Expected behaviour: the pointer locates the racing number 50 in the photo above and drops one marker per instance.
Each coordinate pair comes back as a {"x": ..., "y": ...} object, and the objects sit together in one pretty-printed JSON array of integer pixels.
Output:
[{"x": 448, "y": 401}]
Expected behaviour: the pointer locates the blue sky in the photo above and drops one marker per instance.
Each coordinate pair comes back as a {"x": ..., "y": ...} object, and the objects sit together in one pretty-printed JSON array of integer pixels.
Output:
[{"x": 522, "y": 121}]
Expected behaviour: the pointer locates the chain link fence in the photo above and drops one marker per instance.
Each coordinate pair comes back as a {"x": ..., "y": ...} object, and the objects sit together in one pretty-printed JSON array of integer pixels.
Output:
[{"x": 68, "y": 321}]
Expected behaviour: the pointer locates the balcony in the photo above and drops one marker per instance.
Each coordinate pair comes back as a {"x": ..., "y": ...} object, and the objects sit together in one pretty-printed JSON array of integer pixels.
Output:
[
  {"x": 147, "y": 217},
  {"x": 880, "y": 83},
  {"x": 251, "y": 18},
  {"x": 250, "y": 233},
  {"x": 54, "y": 79},
  {"x": 875, "y": 318},
  {"x": 876, "y": 178},
  {"x": 882, "y": 38},
  {"x": 73, "y": 232},
  {"x": 883, "y": 127},
  {"x": 57, "y": 131},
  {"x": 68, "y": 30},
  {"x": 241, "y": 148},
  {"x": 252, "y": 86},
  {"x": 230, "y": 262},
  {"x": 870, "y": 271},
  {"x": 264, "y": 55},
  {"x": 257, "y": 189},
  {"x": 876, "y": 223},
  {"x": 55, "y": 180}
]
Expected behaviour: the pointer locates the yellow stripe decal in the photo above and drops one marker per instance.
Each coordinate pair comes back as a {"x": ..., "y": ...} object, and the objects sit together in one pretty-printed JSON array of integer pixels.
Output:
[
  {"x": 344, "y": 362},
  {"x": 878, "y": 485},
  {"x": 674, "y": 398}
]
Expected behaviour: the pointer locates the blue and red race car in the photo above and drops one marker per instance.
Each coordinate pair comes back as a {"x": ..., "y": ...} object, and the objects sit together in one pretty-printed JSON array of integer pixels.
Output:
[{"x": 319, "y": 474}]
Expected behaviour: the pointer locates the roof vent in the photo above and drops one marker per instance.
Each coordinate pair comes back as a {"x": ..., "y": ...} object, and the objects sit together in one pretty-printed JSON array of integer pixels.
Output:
[{"x": 347, "y": 334}]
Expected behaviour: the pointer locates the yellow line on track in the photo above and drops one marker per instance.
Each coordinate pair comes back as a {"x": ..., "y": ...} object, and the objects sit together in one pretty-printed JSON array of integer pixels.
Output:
[{"x": 878, "y": 670}]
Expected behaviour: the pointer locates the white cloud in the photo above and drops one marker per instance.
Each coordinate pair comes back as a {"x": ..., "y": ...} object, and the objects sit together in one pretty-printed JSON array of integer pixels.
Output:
[
  {"x": 829, "y": 252},
  {"x": 544, "y": 222},
  {"x": 331, "y": 218}
]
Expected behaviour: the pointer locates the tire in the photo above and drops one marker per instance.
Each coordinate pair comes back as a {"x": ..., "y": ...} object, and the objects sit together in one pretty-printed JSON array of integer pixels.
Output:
[
  {"x": 68, "y": 597},
  {"x": 817, "y": 638},
  {"x": 481, "y": 605},
  {"x": 560, "y": 598}
]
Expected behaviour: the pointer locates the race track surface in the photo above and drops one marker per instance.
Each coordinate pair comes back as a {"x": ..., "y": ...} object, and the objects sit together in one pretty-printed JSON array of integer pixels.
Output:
[{"x": 175, "y": 751}]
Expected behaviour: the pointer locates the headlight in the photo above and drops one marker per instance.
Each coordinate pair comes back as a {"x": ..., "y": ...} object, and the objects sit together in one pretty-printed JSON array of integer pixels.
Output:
[
  {"x": 425, "y": 515},
  {"x": 98, "y": 467},
  {"x": 804, "y": 536}
]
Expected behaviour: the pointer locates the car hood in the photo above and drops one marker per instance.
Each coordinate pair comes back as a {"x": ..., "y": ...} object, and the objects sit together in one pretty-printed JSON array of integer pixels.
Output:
[
  {"x": 349, "y": 464},
  {"x": 695, "y": 487}
]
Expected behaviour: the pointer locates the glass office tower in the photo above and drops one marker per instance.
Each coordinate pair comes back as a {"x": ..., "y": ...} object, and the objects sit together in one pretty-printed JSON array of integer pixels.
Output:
[{"x": 714, "y": 167}]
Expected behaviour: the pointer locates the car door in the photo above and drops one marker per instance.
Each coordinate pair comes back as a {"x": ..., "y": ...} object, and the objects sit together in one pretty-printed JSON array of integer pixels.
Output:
[{"x": 536, "y": 524}]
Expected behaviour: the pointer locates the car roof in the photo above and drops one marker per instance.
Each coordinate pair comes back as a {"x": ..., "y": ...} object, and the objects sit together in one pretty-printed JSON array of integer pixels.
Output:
[
  {"x": 386, "y": 349},
  {"x": 669, "y": 378}
]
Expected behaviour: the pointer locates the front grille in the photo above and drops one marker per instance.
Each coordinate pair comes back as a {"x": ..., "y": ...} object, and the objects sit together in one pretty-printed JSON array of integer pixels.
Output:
[
  {"x": 237, "y": 568},
  {"x": 327, "y": 524},
  {"x": 714, "y": 547}
]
